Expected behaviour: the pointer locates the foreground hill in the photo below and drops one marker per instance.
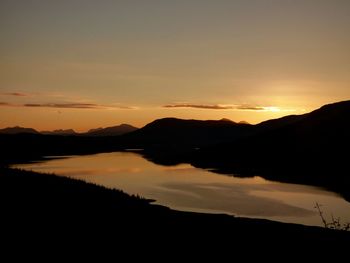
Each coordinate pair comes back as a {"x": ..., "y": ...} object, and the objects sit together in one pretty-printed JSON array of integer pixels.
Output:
[{"x": 49, "y": 206}]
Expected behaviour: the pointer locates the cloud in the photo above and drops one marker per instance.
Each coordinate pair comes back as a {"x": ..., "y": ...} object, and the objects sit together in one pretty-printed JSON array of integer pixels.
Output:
[
  {"x": 78, "y": 106},
  {"x": 5, "y": 104},
  {"x": 92, "y": 106},
  {"x": 122, "y": 107},
  {"x": 17, "y": 94},
  {"x": 199, "y": 106},
  {"x": 249, "y": 107},
  {"x": 66, "y": 105},
  {"x": 217, "y": 106}
]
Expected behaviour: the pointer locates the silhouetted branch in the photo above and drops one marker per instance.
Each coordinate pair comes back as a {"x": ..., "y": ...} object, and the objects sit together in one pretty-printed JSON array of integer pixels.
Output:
[{"x": 335, "y": 223}]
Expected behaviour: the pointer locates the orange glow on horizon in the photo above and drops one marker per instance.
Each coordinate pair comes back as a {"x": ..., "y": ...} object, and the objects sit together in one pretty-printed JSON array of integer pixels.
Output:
[
  {"x": 195, "y": 59},
  {"x": 83, "y": 120}
]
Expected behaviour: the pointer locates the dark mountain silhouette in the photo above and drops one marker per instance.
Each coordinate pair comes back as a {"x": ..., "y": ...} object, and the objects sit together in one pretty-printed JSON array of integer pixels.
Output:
[
  {"x": 17, "y": 130},
  {"x": 94, "y": 130},
  {"x": 244, "y": 122},
  {"x": 328, "y": 118},
  {"x": 327, "y": 128},
  {"x": 111, "y": 131},
  {"x": 225, "y": 119},
  {"x": 169, "y": 141},
  {"x": 60, "y": 132},
  {"x": 309, "y": 148},
  {"x": 181, "y": 133}
]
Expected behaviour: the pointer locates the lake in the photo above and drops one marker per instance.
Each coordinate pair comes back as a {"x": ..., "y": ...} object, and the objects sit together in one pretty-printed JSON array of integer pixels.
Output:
[{"x": 184, "y": 187}]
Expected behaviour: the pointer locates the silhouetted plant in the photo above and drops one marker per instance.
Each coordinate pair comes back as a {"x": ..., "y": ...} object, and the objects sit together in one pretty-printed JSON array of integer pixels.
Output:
[{"x": 334, "y": 223}]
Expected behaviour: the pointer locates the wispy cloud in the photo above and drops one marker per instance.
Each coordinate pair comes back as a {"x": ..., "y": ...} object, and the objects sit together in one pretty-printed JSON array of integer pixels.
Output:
[
  {"x": 199, "y": 106},
  {"x": 70, "y": 105},
  {"x": 66, "y": 105},
  {"x": 16, "y": 94},
  {"x": 56, "y": 100},
  {"x": 4, "y": 104},
  {"x": 122, "y": 107},
  {"x": 249, "y": 107},
  {"x": 218, "y": 106}
]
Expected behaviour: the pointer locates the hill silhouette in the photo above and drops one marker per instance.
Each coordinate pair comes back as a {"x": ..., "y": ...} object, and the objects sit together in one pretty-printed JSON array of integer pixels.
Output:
[
  {"x": 60, "y": 132},
  {"x": 328, "y": 117},
  {"x": 111, "y": 131},
  {"x": 322, "y": 133},
  {"x": 108, "y": 131},
  {"x": 307, "y": 149},
  {"x": 186, "y": 133},
  {"x": 17, "y": 130}
]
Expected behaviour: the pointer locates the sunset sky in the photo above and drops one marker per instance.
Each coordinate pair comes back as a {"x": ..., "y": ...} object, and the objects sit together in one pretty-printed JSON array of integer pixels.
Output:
[{"x": 84, "y": 64}]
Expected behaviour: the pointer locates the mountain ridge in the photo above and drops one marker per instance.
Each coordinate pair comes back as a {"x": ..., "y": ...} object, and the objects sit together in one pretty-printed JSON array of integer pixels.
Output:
[
  {"x": 176, "y": 132},
  {"x": 108, "y": 131},
  {"x": 111, "y": 131},
  {"x": 60, "y": 132},
  {"x": 17, "y": 130},
  {"x": 308, "y": 149}
]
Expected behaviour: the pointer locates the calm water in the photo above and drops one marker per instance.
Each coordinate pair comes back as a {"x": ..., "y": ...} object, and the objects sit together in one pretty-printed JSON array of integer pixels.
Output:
[{"x": 184, "y": 187}]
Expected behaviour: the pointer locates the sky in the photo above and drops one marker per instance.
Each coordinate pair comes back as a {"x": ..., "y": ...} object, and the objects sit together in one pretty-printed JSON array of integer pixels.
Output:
[{"x": 84, "y": 64}]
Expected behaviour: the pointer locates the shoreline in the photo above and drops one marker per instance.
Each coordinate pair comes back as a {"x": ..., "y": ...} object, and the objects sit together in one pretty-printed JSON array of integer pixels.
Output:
[{"x": 45, "y": 200}]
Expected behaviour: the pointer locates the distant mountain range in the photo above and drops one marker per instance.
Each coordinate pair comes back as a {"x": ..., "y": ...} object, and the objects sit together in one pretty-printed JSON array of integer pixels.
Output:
[
  {"x": 310, "y": 149},
  {"x": 181, "y": 133},
  {"x": 109, "y": 131},
  {"x": 17, "y": 130},
  {"x": 328, "y": 124},
  {"x": 60, "y": 132}
]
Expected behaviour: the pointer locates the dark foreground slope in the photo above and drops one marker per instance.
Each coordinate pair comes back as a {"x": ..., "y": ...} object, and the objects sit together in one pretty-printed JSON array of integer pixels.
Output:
[{"x": 48, "y": 207}]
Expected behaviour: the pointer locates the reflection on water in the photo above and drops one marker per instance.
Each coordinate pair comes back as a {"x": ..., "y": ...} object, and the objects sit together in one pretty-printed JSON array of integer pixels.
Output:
[{"x": 184, "y": 187}]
